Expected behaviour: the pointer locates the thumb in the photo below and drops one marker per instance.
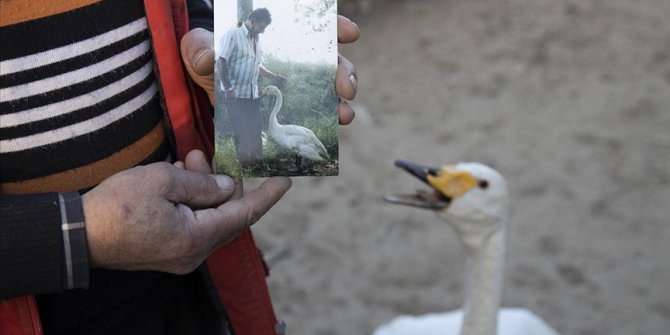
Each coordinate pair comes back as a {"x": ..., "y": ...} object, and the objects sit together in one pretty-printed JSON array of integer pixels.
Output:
[
  {"x": 197, "y": 161},
  {"x": 197, "y": 53},
  {"x": 224, "y": 223},
  {"x": 198, "y": 190}
]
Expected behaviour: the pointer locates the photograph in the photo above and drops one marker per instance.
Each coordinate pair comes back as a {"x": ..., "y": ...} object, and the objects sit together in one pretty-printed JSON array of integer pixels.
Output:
[
  {"x": 275, "y": 101},
  {"x": 335, "y": 167}
]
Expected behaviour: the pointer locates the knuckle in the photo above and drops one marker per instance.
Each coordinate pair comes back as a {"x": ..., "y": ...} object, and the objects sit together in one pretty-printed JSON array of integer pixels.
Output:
[
  {"x": 250, "y": 215},
  {"x": 162, "y": 171},
  {"x": 162, "y": 175}
]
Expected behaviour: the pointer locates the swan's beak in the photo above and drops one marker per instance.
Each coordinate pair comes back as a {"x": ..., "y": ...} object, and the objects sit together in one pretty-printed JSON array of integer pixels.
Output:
[{"x": 424, "y": 199}]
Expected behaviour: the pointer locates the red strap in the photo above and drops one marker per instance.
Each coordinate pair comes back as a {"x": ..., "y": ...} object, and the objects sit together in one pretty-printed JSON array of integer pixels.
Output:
[
  {"x": 19, "y": 316},
  {"x": 239, "y": 276},
  {"x": 168, "y": 22},
  {"x": 236, "y": 269}
]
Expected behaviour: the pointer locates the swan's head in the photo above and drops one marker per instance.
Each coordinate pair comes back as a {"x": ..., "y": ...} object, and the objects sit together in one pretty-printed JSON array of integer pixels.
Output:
[
  {"x": 463, "y": 194},
  {"x": 271, "y": 89}
]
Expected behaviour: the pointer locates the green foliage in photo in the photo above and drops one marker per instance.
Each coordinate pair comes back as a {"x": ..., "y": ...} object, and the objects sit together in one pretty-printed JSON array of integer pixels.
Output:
[{"x": 310, "y": 101}]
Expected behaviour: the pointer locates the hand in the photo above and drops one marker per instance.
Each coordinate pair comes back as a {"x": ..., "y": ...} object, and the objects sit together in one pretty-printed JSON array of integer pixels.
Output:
[
  {"x": 169, "y": 218},
  {"x": 346, "y": 81},
  {"x": 230, "y": 94},
  {"x": 280, "y": 80},
  {"x": 198, "y": 56},
  {"x": 197, "y": 53}
]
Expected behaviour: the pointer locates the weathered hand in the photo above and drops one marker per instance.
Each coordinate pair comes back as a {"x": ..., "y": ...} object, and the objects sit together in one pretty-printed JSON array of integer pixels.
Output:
[
  {"x": 346, "y": 81},
  {"x": 280, "y": 80},
  {"x": 197, "y": 53},
  {"x": 230, "y": 94},
  {"x": 168, "y": 217}
]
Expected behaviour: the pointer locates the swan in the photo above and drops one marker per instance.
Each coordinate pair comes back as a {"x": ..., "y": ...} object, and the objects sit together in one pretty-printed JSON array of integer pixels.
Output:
[
  {"x": 298, "y": 139},
  {"x": 474, "y": 199}
]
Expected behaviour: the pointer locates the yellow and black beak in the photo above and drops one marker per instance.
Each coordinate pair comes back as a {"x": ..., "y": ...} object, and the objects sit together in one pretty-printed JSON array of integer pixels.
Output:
[
  {"x": 448, "y": 182},
  {"x": 423, "y": 199}
]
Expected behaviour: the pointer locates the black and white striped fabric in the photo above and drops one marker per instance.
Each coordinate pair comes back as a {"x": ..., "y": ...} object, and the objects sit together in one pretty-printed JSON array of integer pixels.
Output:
[
  {"x": 243, "y": 59},
  {"x": 76, "y": 97},
  {"x": 79, "y": 102}
]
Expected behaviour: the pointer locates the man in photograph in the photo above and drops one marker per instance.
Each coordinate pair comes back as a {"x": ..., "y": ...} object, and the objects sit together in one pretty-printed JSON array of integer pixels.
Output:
[{"x": 240, "y": 61}]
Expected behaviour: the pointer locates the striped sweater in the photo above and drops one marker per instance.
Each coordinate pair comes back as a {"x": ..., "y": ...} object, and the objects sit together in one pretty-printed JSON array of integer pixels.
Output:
[{"x": 79, "y": 101}]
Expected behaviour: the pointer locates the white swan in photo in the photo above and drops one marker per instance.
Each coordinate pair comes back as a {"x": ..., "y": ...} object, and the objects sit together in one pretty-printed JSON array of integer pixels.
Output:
[
  {"x": 298, "y": 139},
  {"x": 474, "y": 199}
]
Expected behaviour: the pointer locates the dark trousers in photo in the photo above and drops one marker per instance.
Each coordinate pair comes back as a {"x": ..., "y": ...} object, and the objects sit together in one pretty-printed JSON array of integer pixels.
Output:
[{"x": 245, "y": 120}]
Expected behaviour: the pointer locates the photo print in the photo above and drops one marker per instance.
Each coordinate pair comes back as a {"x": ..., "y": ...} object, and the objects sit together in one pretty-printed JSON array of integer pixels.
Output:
[{"x": 275, "y": 104}]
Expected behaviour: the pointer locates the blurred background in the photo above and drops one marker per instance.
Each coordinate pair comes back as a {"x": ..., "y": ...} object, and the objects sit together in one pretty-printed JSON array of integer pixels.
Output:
[{"x": 569, "y": 99}]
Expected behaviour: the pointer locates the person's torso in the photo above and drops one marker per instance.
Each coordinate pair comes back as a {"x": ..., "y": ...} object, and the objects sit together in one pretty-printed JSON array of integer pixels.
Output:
[
  {"x": 79, "y": 102},
  {"x": 244, "y": 58},
  {"x": 78, "y": 96}
]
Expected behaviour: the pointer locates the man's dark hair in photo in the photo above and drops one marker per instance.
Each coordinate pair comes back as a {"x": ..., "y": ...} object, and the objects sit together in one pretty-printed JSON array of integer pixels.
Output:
[{"x": 261, "y": 15}]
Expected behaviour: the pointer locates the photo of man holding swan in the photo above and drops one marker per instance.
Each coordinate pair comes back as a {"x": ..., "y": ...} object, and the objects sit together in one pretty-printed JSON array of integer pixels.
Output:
[{"x": 276, "y": 105}]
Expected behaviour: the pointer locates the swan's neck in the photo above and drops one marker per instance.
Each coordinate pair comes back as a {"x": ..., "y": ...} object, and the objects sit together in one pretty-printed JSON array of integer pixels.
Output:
[
  {"x": 274, "y": 124},
  {"x": 484, "y": 277}
]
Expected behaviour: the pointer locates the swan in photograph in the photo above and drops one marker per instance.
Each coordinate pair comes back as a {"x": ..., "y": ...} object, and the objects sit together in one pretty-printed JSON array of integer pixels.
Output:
[
  {"x": 474, "y": 199},
  {"x": 298, "y": 139}
]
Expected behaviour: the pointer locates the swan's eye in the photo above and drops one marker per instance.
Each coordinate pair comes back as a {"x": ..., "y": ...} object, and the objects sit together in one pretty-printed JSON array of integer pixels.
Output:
[{"x": 483, "y": 184}]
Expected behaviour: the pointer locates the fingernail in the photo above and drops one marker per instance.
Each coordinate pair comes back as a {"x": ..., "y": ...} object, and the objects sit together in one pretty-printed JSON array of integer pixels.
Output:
[
  {"x": 354, "y": 81},
  {"x": 224, "y": 182},
  {"x": 203, "y": 62}
]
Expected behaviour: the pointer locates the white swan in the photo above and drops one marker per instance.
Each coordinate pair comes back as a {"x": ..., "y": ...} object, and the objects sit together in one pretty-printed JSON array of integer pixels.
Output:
[
  {"x": 473, "y": 199},
  {"x": 297, "y": 139}
]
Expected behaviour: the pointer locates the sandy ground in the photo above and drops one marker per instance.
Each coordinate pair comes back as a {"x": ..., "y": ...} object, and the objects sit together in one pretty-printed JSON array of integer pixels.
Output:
[{"x": 570, "y": 100}]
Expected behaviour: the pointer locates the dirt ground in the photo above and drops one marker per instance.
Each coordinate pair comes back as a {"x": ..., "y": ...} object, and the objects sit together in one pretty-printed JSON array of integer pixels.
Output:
[{"x": 570, "y": 100}]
